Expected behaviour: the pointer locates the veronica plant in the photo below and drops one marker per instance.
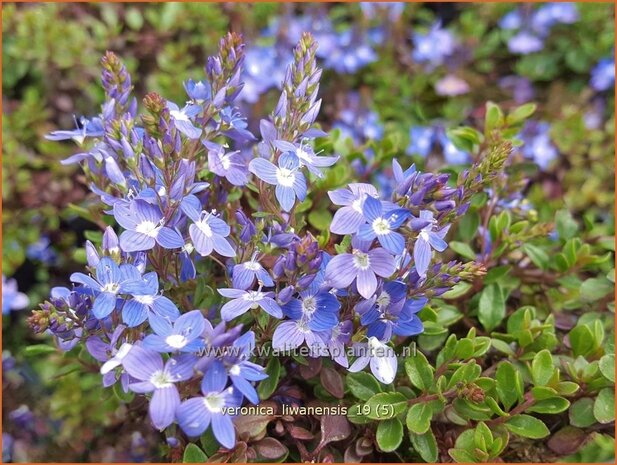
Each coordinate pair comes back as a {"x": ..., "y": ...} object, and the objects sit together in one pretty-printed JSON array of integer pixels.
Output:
[{"x": 209, "y": 266}]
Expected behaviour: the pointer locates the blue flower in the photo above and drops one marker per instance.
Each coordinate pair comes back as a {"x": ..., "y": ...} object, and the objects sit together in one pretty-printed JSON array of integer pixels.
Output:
[
  {"x": 452, "y": 155},
  {"x": 383, "y": 226},
  {"x": 89, "y": 128},
  {"x": 230, "y": 165},
  {"x": 152, "y": 375},
  {"x": 603, "y": 75},
  {"x": 196, "y": 414},
  {"x": 12, "y": 299},
  {"x": 241, "y": 371},
  {"x": 245, "y": 300},
  {"x": 348, "y": 219},
  {"x": 381, "y": 358},
  {"x": 390, "y": 313},
  {"x": 287, "y": 177},
  {"x": 244, "y": 275},
  {"x": 181, "y": 336},
  {"x": 146, "y": 302},
  {"x": 362, "y": 266},
  {"x": 434, "y": 46},
  {"x": 525, "y": 43},
  {"x": 428, "y": 239},
  {"x": 198, "y": 91},
  {"x": 512, "y": 20},
  {"x": 318, "y": 310},
  {"x": 208, "y": 232},
  {"x": 306, "y": 156},
  {"x": 110, "y": 281},
  {"x": 420, "y": 140},
  {"x": 182, "y": 119},
  {"x": 537, "y": 144},
  {"x": 144, "y": 226}
]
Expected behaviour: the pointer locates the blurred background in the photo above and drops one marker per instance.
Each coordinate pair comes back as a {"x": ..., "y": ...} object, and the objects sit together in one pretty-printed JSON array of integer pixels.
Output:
[{"x": 397, "y": 75}]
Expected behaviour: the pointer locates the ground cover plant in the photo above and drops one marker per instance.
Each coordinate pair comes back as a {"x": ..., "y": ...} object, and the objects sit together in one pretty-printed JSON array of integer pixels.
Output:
[{"x": 332, "y": 240}]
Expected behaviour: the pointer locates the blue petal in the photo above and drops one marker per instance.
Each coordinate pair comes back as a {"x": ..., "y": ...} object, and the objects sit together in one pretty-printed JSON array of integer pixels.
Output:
[
  {"x": 264, "y": 170},
  {"x": 421, "y": 256},
  {"x": 133, "y": 241},
  {"x": 372, "y": 208},
  {"x": 134, "y": 313},
  {"x": 286, "y": 197},
  {"x": 215, "y": 378},
  {"x": 104, "y": 304},
  {"x": 193, "y": 416},
  {"x": 392, "y": 242},
  {"x": 169, "y": 238}
]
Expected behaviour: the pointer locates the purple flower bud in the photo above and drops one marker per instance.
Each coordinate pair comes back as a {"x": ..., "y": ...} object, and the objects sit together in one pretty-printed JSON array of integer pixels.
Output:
[
  {"x": 305, "y": 281},
  {"x": 286, "y": 294}
]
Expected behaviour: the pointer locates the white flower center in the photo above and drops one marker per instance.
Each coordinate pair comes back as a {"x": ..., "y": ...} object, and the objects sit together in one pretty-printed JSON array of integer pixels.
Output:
[
  {"x": 361, "y": 260},
  {"x": 357, "y": 204},
  {"x": 253, "y": 296},
  {"x": 145, "y": 299},
  {"x": 160, "y": 379},
  {"x": 381, "y": 226},
  {"x": 234, "y": 370},
  {"x": 383, "y": 300},
  {"x": 285, "y": 177},
  {"x": 252, "y": 265},
  {"x": 111, "y": 287},
  {"x": 148, "y": 228},
  {"x": 177, "y": 341},
  {"x": 214, "y": 403},
  {"x": 178, "y": 115},
  {"x": 309, "y": 305},
  {"x": 205, "y": 228},
  {"x": 225, "y": 161},
  {"x": 424, "y": 235},
  {"x": 303, "y": 155}
]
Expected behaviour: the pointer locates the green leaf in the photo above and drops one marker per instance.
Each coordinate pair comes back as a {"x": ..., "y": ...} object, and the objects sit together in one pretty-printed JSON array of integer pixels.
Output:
[
  {"x": 537, "y": 255},
  {"x": 552, "y": 405},
  {"x": 39, "y": 349},
  {"x": 362, "y": 385},
  {"x": 458, "y": 290},
  {"x": 520, "y": 114},
  {"x": 425, "y": 445},
  {"x": 604, "y": 406},
  {"x": 492, "y": 307},
  {"x": 527, "y": 427},
  {"x": 542, "y": 368},
  {"x": 267, "y": 387},
  {"x": 193, "y": 454},
  {"x": 607, "y": 367},
  {"x": 483, "y": 438},
  {"x": 466, "y": 373},
  {"x": 320, "y": 219},
  {"x": 386, "y": 405},
  {"x": 463, "y": 249},
  {"x": 581, "y": 413},
  {"x": 565, "y": 224},
  {"x": 389, "y": 434},
  {"x": 462, "y": 456},
  {"x": 581, "y": 340},
  {"x": 419, "y": 371},
  {"x": 419, "y": 418},
  {"x": 594, "y": 289},
  {"x": 494, "y": 117},
  {"x": 509, "y": 384},
  {"x": 502, "y": 346}
]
